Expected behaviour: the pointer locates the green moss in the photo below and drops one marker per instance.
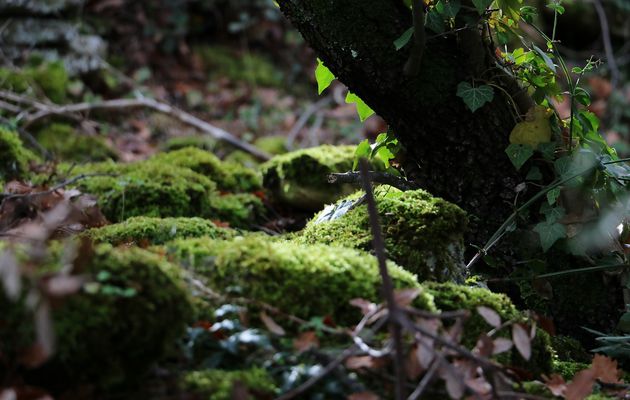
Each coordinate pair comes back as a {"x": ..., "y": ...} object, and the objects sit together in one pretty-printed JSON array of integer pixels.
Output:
[
  {"x": 569, "y": 349},
  {"x": 299, "y": 178},
  {"x": 148, "y": 189},
  {"x": 181, "y": 142},
  {"x": 239, "y": 210},
  {"x": 14, "y": 157},
  {"x": 275, "y": 145},
  {"x": 69, "y": 145},
  {"x": 118, "y": 325},
  {"x": 302, "y": 280},
  {"x": 424, "y": 234},
  {"x": 568, "y": 369},
  {"x": 228, "y": 176},
  {"x": 146, "y": 230},
  {"x": 450, "y": 297},
  {"x": 218, "y": 384},
  {"x": 248, "y": 68},
  {"x": 51, "y": 79}
]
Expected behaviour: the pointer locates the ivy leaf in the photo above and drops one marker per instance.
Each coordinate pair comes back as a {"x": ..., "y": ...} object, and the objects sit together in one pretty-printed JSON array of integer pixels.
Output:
[
  {"x": 403, "y": 39},
  {"x": 475, "y": 97},
  {"x": 510, "y": 8},
  {"x": 323, "y": 76},
  {"x": 553, "y": 195},
  {"x": 363, "y": 109},
  {"x": 435, "y": 22},
  {"x": 581, "y": 96},
  {"x": 482, "y": 5},
  {"x": 363, "y": 150},
  {"x": 519, "y": 154},
  {"x": 549, "y": 233},
  {"x": 448, "y": 8}
]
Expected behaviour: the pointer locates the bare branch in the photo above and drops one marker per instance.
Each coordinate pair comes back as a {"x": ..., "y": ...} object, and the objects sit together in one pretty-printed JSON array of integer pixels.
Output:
[{"x": 46, "y": 110}]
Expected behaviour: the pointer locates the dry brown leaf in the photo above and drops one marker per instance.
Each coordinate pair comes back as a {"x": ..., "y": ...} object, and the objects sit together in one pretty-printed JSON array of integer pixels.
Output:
[
  {"x": 306, "y": 341},
  {"x": 581, "y": 385},
  {"x": 271, "y": 324},
  {"x": 490, "y": 316},
  {"x": 359, "y": 362},
  {"x": 522, "y": 341},
  {"x": 405, "y": 297},
  {"x": 556, "y": 384},
  {"x": 365, "y": 306},
  {"x": 455, "y": 385},
  {"x": 605, "y": 369},
  {"x": 484, "y": 346},
  {"x": 413, "y": 369},
  {"x": 501, "y": 345}
]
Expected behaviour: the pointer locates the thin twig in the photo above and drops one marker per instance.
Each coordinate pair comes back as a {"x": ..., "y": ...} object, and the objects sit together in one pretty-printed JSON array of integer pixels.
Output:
[
  {"x": 608, "y": 48},
  {"x": 9, "y": 196},
  {"x": 387, "y": 285},
  {"x": 46, "y": 110},
  {"x": 374, "y": 176}
]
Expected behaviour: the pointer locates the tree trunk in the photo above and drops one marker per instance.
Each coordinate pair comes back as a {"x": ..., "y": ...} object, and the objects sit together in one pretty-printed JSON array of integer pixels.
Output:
[{"x": 460, "y": 154}]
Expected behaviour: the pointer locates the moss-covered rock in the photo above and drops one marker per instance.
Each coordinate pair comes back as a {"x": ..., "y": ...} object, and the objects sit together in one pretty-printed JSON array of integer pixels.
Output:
[
  {"x": 228, "y": 176},
  {"x": 299, "y": 178},
  {"x": 152, "y": 231},
  {"x": 14, "y": 157},
  {"x": 240, "y": 210},
  {"x": 276, "y": 144},
  {"x": 181, "y": 142},
  {"x": 303, "y": 280},
  {"x": 118, "y": 325},
  {"x": 423, "y": 234},
  {"x": 216, "y": 384},
  {"x": 51, "y": 79},
  {"x": 148, "y": 189},
  {"x": 69, "y": 145},
  {"x": 451, "y": 297}
]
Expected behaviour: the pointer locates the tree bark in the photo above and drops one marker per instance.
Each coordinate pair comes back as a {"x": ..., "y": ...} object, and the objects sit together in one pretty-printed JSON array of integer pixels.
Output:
[{"x": 460, "y": 154}]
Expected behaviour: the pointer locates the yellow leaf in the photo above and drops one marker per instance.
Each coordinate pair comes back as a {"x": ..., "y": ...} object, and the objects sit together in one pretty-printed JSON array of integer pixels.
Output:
[{"x": 535, "y": 129}]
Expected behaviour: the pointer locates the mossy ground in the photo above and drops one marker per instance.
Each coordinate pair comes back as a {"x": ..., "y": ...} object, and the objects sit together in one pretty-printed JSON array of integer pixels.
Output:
[
  {"x": 303, "y": 280},
  {"x": 14, "y": 157},
  {"x": 219, "y": 384},
  {"x": 47, "y": 79},
  {"x": 248, "y": 68},
  {"x": 125, "y": 319},
  {"x": 424, "y": 234},
  {"x": 144, "y": 231},
  {"x": 69, "y": 145}
]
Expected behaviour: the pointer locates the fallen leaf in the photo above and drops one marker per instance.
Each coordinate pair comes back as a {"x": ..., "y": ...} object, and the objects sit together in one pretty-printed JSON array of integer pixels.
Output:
[
  {"x": 490, "y": 316},
  {"x": 556, "y": 384},
  {"x": 484, "y": 346},
  {"x": 522, "y": 341},
  {"x": 405, "y": 297},
  {"x": 271, "y": 324},
  {"x": 363, "y": 396},
  {"x": 306, "y": 341},
  {"x": 360, "y": 362},
  {"x": 605, "y": 369},
  {"x": 501, "y": 345},
  {"x": 365, "y": 306},
  {"x": 581, "y": 385},
  {"x": 454, "y": 383}
]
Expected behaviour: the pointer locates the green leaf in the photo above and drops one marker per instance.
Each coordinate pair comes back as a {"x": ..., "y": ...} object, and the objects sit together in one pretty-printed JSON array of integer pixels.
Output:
[
  {"x": 548, "y": 150},
  {"x": 528, "y": 13},
  {"x": 475, "y": 97},
  {"x": 519, "y": 154},
  {"x": 323, "y": 76},
  {"x": 363, "y": 109},
  {"x": 482, "y": 5},
  {"x": 548, "y": 61},
  {"x": 581, "y": 96},
  {"x": 552, "y": 214},
  {"x": 577, "y": 70},
  {"x": 556, "y": 7},
  {"x": 534, "y": 174},
  {"x": 553, "y": 195},
  {"x": 403, "y": 39},
  {"x": 511, "y": 8},
  {"x": 435, "y": 22},
  {"x": 550, "y": 233},
  {"x": 362, "y": 151},
  {"x": 448, "y": 8}
]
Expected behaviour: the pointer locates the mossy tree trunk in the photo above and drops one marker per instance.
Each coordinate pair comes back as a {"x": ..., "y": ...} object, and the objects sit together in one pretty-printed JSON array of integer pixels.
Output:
[{"x": 460, "y": 154}]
